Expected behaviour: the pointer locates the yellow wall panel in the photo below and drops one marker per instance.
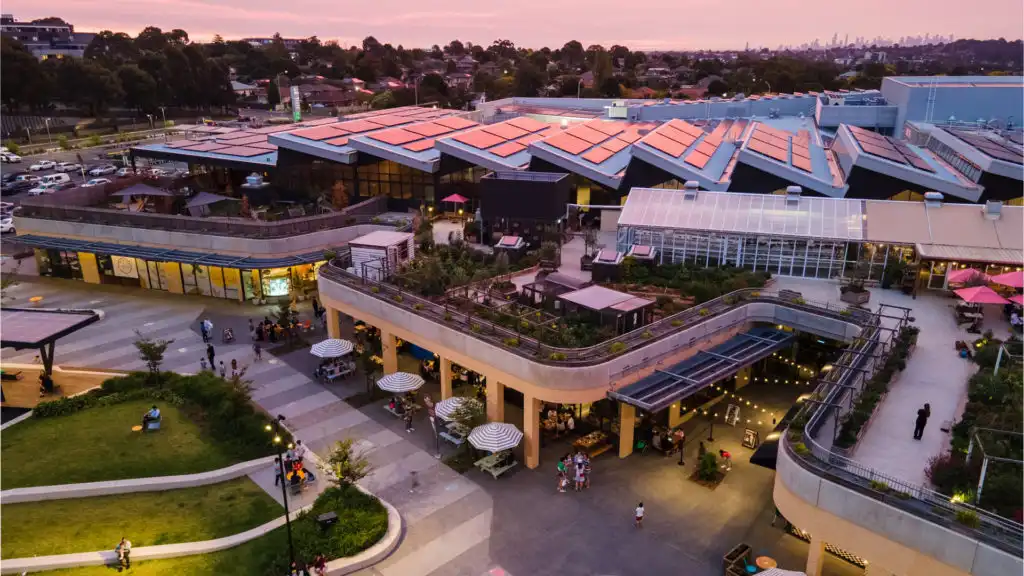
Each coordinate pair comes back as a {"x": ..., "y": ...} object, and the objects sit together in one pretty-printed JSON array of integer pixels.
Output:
[
  {"x": 90, "y": 271},
  {"x": 172, "y": 271}
]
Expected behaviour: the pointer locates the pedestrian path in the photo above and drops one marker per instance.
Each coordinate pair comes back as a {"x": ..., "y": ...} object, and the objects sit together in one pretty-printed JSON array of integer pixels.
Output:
[{"x": 445, "y": 516}]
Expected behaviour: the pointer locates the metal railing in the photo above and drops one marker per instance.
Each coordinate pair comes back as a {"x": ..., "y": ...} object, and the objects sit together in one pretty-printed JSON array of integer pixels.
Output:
[
  {"x": 856, "y": 365},
  {"x": 500, "y": 335},
  {"x": 362, "y": 213}
]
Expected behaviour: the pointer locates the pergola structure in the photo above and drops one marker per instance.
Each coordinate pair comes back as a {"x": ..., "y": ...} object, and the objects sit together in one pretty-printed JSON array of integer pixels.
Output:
[{"x": 40, "y": 328}]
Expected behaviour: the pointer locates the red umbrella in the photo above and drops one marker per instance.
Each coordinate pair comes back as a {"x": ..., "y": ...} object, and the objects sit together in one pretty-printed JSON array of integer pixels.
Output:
[
  {"x": 1012, "y": 279},
  {"x": 964, "y": 275},
  {"x": 1017, "y": 299},
  {"x": 980, "y": 295},
  {"x": 457, "y": 198}
]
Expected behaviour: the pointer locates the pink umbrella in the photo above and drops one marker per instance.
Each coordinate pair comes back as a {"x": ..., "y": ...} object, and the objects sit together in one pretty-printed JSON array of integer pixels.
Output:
[
  {"x": 980, "y": 295},
  {"x": 964, "y": 275},
  {"x": 1012, "y": 279},
  {"x": 457, "y": 198},
  {"x": 1017, "y": 299}
]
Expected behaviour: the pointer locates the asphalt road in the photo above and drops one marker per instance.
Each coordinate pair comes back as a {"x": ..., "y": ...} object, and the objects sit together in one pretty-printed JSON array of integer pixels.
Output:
[{"x": 92, "y": 158}]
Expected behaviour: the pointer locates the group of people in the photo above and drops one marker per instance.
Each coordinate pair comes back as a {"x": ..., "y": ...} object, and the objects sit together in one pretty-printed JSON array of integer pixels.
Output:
[
  {"x": 668, "y": 441},
  {"x": 318, "y": 567},
  {"x": 266, "y": 330},
  {"x": 574, "y": 466},
  {"x": 296, "y": 474},
  {"x": 211, "y": 354}
]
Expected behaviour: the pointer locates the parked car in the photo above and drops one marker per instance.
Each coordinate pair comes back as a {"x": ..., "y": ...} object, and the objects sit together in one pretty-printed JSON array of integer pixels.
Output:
[
  {"x": 17, "y": 186},
  {"x": 125, "y": 172},
  {"x": 10, "y": 176},
  {"x": 158, "y": 172},
  {"x": 7, "y": 225},
  {"x": 103, "y": 170},
  {"x": 8, "y": 157},
  {"x": 43, "y": 189},
  {"x": 42, "y": 165},
  {"x": 67, "y": 167},
  {"x": 26, "y": 178},
  {"x": 57, "y": 178},
  {"x": 96, "y": 182}
]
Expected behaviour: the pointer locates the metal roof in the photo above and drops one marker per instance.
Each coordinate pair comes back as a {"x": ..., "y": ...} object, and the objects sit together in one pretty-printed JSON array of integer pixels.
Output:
[
  {"x": 168, "y": 255},
  {"x": 34, "y": 327}
]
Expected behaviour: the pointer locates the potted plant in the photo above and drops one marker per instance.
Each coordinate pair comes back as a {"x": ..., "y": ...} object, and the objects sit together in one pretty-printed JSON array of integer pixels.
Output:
[{"x": 854, "y": 291}]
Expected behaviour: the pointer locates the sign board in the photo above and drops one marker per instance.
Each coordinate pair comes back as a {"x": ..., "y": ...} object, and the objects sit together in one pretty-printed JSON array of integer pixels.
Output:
[
  {"x": 296, "y": 104},
  {"x": 750, "y": 438},
  {"x": 124, "y": 267},
  {"x": 732, "y": 414}
]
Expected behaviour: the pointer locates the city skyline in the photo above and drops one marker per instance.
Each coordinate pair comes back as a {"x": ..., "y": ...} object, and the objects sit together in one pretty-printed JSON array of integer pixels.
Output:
[{"x": 592, "y": 22}]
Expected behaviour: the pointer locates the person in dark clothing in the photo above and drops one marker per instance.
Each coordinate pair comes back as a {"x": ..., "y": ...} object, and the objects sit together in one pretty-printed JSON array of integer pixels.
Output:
[
  {"x": 211, "y": 354},
  {"x": 922, "y": 421}
]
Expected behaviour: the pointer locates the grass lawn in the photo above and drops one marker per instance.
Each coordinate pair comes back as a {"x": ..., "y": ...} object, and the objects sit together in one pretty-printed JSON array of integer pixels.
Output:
[
  {"x": 98, "y": 444},
  {"x": 146, "y": 518},
  {"x": 253, "y": 558}
]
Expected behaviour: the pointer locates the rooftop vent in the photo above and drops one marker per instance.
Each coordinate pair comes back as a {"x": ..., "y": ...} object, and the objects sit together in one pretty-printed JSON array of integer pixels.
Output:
[
  {"x": 933, "y": 199},
  {"x": 793, "y": 194},
  {"x": 690, "y": 188},
  {"x": 993, "y": 209}
]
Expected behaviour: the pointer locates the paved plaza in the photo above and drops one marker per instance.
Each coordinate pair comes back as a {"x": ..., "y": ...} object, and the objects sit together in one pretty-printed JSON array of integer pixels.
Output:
[{"x": 458, "y": 524}]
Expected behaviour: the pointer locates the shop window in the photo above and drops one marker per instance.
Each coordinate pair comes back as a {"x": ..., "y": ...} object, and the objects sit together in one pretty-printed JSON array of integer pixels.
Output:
[
  {"x": 233, "y": 283},
  {"x": 203, "y": 282},
  {"x": 188, "y": 278},
  {"x": 276, "y": 282}
]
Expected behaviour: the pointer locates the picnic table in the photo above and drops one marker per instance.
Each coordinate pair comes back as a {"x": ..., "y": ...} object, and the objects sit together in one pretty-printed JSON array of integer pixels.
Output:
[
  {"x": 394, "y": 411},
  {"x": 455, "y": 433},
  {"x": 491, "y": 464}
]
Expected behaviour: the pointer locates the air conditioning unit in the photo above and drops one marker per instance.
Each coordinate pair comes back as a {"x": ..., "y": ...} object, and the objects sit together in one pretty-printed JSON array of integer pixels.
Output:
[
  {"x": 993, "y": 209},
  {"x": 793, "y": 194},
  {"x": 690, "y": 189},
  {"x": 933, "y": 199}
]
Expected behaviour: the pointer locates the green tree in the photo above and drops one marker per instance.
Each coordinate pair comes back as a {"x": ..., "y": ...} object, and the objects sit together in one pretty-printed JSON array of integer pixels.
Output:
[
  {"x": 529, "y": 80},
  {"x": 601, "y": 66},
  {"x": 152, "y": 353},
  {"x": 346, "y": 465},
  {"x": 273, "y": 93},
  {"x": 23, "y": 81},
  {"x": 572, "y": 53},
  {"x": 717, "y": 87},
  {"x": 140, "y": 91},
  {"x": 112, "y": 49},
  {"x": 286, "y": 317},
  {"x": 62, "y": 141},
  {"x": 151, "y": 39}
]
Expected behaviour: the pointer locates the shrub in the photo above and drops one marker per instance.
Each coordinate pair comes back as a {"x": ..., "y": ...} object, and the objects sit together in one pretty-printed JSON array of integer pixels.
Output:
[
  {"x": 704, "y": 312},
  {"x": 647, "y": 334},
  {"x": 417, "y": 306},
  {"x": 800, "y": 448},
  {"x": 879, "y": 486},
  {"x": 475, "y": 327},
  {"x": 330, "y": 254},
  {"x": 362, "y": 522},
  {"x": 968, "y": 518},
  {"x": 949, "y": 473},
  {"x": 511, "y": 342},
  {"x": 707, "y": 466},
  {"x": 62, "y": 141},
  {"x": 617, "y": 348},
  {"x": 346, "y": 465},
  {"x": 94, "y": 141},
  {"x": 397, "y": 298},
  {"x": 374, "y": 289},
  {"x": 13, "y": 147},
  {"x": 903, "y": 495},
  {"x": 676, "y": 323},
  {"x": 845, "y": 312},
  {"x": 556, "y": 356},
  {"x": 447, "y": 317}
]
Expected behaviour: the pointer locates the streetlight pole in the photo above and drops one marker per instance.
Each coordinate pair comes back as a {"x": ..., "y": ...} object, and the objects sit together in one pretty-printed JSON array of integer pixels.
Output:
[
  {"x": 48, "y": 139},
  {"x": 279, "y": 444},
  {"x": 579, "y": 88},
  {"x": 150, "y": 116}
]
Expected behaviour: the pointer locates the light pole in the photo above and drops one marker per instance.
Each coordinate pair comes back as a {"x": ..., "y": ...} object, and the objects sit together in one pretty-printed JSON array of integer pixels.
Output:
[
  {"x": 579, "y": 88},
  {"x": 48, "y": 139},
  {"x": 279, "y": 444},
  {"x": 766, "y": 82},
  {"x": 150, "y": 116}
]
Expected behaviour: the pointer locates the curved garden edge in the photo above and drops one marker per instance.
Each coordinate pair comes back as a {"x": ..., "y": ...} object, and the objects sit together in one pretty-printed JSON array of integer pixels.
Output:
[
  {"x": 56, "y": 368},
  {"x": 129, "y": 485},
  {"x": 337, "y": 567}
]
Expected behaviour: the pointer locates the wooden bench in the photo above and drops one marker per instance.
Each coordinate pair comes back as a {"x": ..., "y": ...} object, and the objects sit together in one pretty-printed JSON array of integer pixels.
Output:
[
  {"x": 490, "y": 465},
  {"x": 454, "y": 433},
  {"x": 5, "y": 375}
]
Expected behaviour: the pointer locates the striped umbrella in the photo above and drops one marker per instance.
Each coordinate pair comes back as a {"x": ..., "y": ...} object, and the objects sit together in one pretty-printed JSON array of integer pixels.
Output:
[
  {"x": 446, "y": 408},
  {"x": 495, "y": 437},
  {"x": 331, "y": 348},
  {"x": 400, "y": 382}
]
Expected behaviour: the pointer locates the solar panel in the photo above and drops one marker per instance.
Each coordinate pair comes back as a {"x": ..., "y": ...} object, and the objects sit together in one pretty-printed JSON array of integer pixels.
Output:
[
  {"x": 681, "y": 137},
  {"x": 248, "y": 139},
  {"x": 706, "y": 148},
  {"x": 609, "y": 128},
  {"x": 320, "y": 122},
  {"x": 530, "y": 138},
  {"x": 801, "y": 151},
  {"x": 766, "y": 149},
  {"x": 206, "y": 147},
  {"x": 920, "y": 163},
  {"x": 395, "y": 137},
  {"x": 420, "y": 145},
  {"x": 888, "y": 153},
  {"x": 505, "y": 131},
  {"x": 598, "y": 155},
  {"x": 802, "y": 163},
  {"x": 614, "y": 145},
  {"x": 429, "y": 129},
  {"x": 666, "y": 145},
  {"x": 567, "y": 143},
  {"x": 244, "y": 151},
  {"x": 338, "y": 141},
  {"x": 272, "y": 129},
  {"x": 686, "y": 127},
  {"x": 267, "y": 145},
  {"x": 697, "y": 159},
  {"x": 528, "y": 124},
  {"x": 182, "y": 143},
  {"x": 318, "y": 133},
  {"x": 456, "y": 123},
  {"x": 507, "y": 149},
  {"x": 629, "y": 136},
  {"x": 588, "y": 134},
  {"x": 235, "y": 136},
  {"x": 389, "y": 120},
  {"x": 357, "y": 126},
  {"x": 478, "y": 139}
]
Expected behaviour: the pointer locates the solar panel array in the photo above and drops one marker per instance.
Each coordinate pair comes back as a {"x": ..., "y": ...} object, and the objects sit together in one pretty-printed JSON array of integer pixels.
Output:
[
  {"x": 673, "y": 137},
  {"x": 888, "y": 148},
  {"x": 597, "y": 140},
  {"x": 420, "y": 137},
  {"x": 770, "y": 142},
  {"x": 504, "y": 139},
  {"x": 990, "y": 147}
]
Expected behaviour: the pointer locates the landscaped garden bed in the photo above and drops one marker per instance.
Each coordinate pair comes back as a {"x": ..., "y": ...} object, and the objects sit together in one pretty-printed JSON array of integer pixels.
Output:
[
  {"x": 146, "y": 518},
  {"x": 686, "y": 281},
  {"x": 207, "y": 423}
]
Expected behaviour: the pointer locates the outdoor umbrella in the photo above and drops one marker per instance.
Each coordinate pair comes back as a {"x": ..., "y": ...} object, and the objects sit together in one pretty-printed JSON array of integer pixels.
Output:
[
  {"x": 780, "y": 572},
  {"x": 1017, "y": 299},
  {"x": 495, "y": 437},
  {"x": 455, "y": 199},
  {"x": 980, "y": 295},
  {"x": 331, "y": 348},
  {"x": 965, "y": 275},
  {"x": 1012, "y": 279},
  {"x": 400, "y": 382},
  {"x": 446, "y": 408}
]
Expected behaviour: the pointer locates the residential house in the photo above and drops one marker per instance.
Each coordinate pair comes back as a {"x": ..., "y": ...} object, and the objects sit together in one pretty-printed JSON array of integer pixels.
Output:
[{"x": 459, "y": 80}]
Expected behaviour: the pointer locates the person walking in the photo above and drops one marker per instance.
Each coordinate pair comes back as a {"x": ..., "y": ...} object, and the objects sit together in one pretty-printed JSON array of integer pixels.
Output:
[
  {"x": 701, "y": 450},
  {"x": 257, "y": 351},
  {"x": 639, "y": 515},
  {"x": 727, "y": 458},
  {"x": 211, "y": 354},
  {"x": 202, "y": 364},
  {"x": 223, "y": 370},
  {"x": 408, "y": 420},
  {"x": 414, "y": 482},
  {"x": 252, "y": 331},
  {"x": 922, "y": 421},
  {"x": 234, "y": 368},
  {"x": 204, "y": 332}
]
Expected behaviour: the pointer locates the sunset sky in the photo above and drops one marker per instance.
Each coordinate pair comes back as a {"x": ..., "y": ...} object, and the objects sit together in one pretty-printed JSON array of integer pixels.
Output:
[{"x": 650, "y": 25}]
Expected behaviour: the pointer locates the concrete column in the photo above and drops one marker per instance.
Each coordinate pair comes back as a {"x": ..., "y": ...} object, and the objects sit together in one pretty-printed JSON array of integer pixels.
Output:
[
  {"x": 446, "y": 377},
  {"x": 333, "y": 323},
  {"x": 495, "y": 400},
  {"x": 674, "y": 417},
  {"x": 627, "y": 418},
  {"x": 389, "y": 352},
  {"x": 743, "y": 377},
  {"x": 795, "y": 348},
  {"x": 815, "y": 557},
  {"x": 531, "y": 431}
]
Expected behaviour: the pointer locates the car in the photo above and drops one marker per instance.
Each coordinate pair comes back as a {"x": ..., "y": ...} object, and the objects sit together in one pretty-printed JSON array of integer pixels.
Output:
[
  {"x": 17, "y": 186},
  {"x": 26, "y": 178},
  {"x": 67, "y": 167},
  {"x": 96, "y": 182},
  {"x": 103, "y": 170},
  {"x": 10, "y": 176},
  {"x": 43, "y": 189},
  {"x": 8, "y": 157},
  {"x": 157, "y": 172},
  {"x": 125, "y": 172},
  {"x": 42, "y": 165},
  {"x": 6, "y": 225}
]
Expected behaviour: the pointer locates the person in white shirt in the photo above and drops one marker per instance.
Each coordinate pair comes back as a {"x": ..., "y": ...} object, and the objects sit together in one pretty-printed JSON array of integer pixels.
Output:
[
  {"x": 640, "y": 515},
  {"x": 570, "y": 424},
  {"x": 152, "y": 416},
  {"x": 123, "y": 550},
  {"x": 299, "y": 452}
]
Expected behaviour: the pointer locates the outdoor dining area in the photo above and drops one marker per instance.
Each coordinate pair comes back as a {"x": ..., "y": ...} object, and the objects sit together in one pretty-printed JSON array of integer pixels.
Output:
[
  {"x": 337, "y": 360},
  {"x": 979, "y": 290}
]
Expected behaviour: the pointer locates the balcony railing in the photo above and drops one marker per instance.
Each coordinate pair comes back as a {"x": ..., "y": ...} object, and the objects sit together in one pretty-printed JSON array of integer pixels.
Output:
[
  {"x": 48, "y": 209},
  {"x": 497, "y": 334}
]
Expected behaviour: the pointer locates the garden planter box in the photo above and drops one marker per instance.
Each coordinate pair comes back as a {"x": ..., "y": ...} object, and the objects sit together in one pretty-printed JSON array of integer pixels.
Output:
[
  {"x": 852, "y": 450},
  {"x": 855, "y": 298}
]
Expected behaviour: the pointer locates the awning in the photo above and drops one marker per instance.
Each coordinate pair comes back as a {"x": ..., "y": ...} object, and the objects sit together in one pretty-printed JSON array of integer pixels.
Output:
[
  {"x": 169, "y": 255},
  {"x": 34, "y": 327},
  {"x": 206, "y": 198},
  {"x": 1006, "y": 256},
  {"x": 143, "y": 190}
]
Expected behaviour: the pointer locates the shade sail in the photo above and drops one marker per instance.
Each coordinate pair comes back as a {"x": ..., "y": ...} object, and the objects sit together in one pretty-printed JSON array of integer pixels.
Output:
[
  {"x": 1017, "y": 299},
  {"x": 143, "y": 190},
  {"x": 980, "y": 295},
  {"x": 965, "y": 275},
  {"x": 457, "y": 198},
  {"x": 1013, "y": 279},
  {"x": 207, "y": 198}
]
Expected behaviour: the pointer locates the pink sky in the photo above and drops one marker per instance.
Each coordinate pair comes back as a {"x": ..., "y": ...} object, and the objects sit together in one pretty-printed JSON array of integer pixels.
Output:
[{"x": 650, "y": 25}]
